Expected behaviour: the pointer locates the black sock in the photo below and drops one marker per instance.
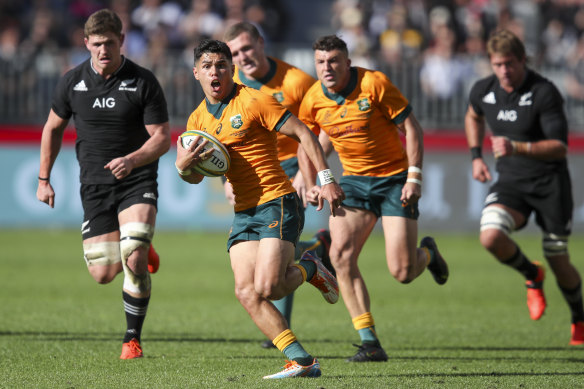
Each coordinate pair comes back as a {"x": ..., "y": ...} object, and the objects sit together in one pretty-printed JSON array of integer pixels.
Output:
[
  {"x": 523, "y": 265},
  {"x": 574, "y": 299},
  {"x": 135, "y": 309}
]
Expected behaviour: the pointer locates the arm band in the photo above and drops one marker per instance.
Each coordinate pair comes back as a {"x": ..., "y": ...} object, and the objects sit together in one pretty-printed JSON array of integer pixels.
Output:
[
  {"x": 414, "y": 169},
  {"x": 44, "y": 178},
  {"x": 183, "y": 172},
  {"x": 326, "y": 177},
  {"x": 476, "y": 152}
]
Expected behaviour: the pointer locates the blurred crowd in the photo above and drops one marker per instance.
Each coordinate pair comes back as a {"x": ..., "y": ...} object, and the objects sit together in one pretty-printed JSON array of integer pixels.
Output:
[{"x": 445, "y": 38}]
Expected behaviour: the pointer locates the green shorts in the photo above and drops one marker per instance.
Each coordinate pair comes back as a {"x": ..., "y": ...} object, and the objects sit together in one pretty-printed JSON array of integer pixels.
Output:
[
  {"x": 380, "y": 195},
  {"x": 281, "y": 218}
]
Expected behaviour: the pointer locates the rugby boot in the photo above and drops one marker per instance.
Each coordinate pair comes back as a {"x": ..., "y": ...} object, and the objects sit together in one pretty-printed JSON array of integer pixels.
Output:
[
  {"x": 535, "y": 297},
  {"x": 292, "y": 370},
  {"x": 369, "y": 352},
  {"x": 437, "y": 266},
  {"x": 153, "y": 260},
  {"x": 577, "y": 333},
  {"x": 131, "y": 350},
  {"x": 322, "y": 279}
]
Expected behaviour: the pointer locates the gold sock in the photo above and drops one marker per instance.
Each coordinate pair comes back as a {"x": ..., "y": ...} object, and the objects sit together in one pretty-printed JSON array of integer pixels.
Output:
[{"x": 285, "y": 339}]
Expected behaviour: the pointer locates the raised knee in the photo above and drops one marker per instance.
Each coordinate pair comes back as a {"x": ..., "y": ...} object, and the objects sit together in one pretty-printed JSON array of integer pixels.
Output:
[
  {"x": 102, "y": 275},
  {"x": 496, "y": 225},
  {"x": 402, "y": 274},
  {"x": 245, "y": 295}
]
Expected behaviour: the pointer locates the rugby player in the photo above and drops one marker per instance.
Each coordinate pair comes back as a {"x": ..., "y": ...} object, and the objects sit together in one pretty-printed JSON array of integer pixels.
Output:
[
  {"x": 525, "y": 113},
  {"x": 361, "y": 113},
  {"x": 122, "y": 128},
  {"x": 269, "y": 215},
  {"x": 287, "y": 84}
]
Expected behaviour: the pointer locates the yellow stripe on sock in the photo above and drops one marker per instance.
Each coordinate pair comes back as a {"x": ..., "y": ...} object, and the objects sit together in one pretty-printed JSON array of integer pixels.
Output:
[
  {"x": 285, "y": 339},
  {"x": 363, "y": 321},
  {"x": 428, "y": 255},
  {"x": 302, "y": 270}
]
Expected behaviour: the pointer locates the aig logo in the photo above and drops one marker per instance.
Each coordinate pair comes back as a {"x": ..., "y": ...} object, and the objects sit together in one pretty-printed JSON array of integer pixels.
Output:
[
  {"x": 104, "y": 102},
  {"x": 507, "y": 116}
]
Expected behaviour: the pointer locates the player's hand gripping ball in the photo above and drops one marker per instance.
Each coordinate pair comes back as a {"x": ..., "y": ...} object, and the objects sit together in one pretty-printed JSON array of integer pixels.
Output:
[{"x": 219, "y": 162}]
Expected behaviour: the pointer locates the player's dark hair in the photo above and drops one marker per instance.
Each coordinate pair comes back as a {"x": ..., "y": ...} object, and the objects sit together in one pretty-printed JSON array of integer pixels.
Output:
[
  {"x": 329, "y": 43},
  {"x": 101, "y": 22},
  {"x": 212, "y": 46},
  {"x": 236, "y": 29},
  {"x": 504, "y": 42}
]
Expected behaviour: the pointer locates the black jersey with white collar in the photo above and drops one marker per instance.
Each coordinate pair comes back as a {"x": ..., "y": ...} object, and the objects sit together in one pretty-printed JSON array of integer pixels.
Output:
[
  {"x": 532, "y": 112},
  {"x": 110, "y": 115}
]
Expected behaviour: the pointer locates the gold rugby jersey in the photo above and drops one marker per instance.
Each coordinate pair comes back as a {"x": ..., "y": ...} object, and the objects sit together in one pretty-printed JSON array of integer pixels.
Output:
[
  {"x": 287, "y": 84},
  {"x": 361, "y": 122},
  {"x": 246, "y": 123}
]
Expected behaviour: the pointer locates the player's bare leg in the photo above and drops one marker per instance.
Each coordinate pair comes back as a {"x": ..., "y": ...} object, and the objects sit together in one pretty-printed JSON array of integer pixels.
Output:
[
  {"x": 349, "y": 230},
  {"x": 262, "y": 271},
  {"x": 404, "y": 260}
]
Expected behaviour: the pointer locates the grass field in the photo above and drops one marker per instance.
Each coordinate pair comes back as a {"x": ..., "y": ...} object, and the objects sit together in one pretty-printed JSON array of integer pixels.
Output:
[{"x": 58, "y": 329}]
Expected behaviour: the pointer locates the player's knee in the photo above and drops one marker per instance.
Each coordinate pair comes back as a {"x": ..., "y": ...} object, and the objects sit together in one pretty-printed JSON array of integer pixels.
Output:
[
  {"x": 268, "y": 289},
  {"x": 554, "y": 245},
  {"x": 402, "y": 274},
  {"x": 342, "y": 262},
  {"x": 496, "y": 225},
  {"x": 103, "y": 260},
  {"x": 104, "y": 275},
  {"x": 246, "y": 295},
  {"x": 133, "y": 236}
]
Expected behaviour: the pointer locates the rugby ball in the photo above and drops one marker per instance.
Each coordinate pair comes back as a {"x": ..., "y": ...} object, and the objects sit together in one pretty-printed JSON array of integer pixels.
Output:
[{"x": 219, "y": 162}]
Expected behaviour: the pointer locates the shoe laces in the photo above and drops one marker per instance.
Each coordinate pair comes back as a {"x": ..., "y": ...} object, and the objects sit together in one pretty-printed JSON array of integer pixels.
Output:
[
  {"x": 134, "y": 346},
  {"x": 290, "y": 364}
]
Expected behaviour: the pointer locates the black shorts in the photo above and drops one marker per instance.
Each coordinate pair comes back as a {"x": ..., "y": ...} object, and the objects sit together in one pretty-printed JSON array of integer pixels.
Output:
[
  {"x": 549, "y": 196},
  {"x": 103, "y": 202}
]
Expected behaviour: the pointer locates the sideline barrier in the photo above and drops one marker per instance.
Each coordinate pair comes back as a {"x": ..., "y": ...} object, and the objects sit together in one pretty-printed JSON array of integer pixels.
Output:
[{"x": 451, "y": 199}]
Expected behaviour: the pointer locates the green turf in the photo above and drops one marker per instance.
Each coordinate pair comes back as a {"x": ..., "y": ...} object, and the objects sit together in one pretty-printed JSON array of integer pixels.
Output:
[{"x": 58, "y": 329}]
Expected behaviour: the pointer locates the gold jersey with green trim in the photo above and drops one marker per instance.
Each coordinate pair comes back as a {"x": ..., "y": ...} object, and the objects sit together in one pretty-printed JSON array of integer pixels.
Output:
[
  {"x": 287, "y": 84},
  {"x": 246, "y": 122},
  {"x": 361, "y": 122}
]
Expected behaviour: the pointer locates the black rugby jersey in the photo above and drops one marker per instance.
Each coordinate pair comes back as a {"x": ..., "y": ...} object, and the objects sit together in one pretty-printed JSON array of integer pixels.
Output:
[
  {"x": 110, "y": 115},
  {"x": 532, "y": 112}
]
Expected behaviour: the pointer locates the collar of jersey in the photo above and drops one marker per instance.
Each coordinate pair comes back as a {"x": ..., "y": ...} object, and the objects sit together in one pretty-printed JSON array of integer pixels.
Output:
[
  {"x": 217, "y": 109},
  {"x": 257, "y": 84},
  {"x": 340, "y": 97}
]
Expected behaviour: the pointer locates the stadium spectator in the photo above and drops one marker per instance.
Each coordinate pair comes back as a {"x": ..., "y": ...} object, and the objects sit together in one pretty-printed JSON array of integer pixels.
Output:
[
  {"x": 361, "y": 113},
  {"x": 530, "y": 136},
  {"x": 440, "y": 60},
  {"x": 262, "y": 257},
  {"x": 122, "y": 128}
]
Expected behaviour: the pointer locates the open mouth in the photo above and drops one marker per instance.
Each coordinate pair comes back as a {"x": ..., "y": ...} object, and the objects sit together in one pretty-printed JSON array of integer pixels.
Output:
[{"x": 215, "y": 85}]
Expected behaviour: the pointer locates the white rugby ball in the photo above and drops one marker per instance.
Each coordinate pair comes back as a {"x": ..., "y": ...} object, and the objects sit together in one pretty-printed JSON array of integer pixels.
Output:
[{"x": 219, "y": 162}]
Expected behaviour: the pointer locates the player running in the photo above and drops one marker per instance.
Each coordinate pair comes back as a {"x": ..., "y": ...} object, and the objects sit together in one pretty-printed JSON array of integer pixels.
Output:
[
  {"x": 530, "y": 143},
  {"x": 269, "y": 215},
  {"x": 362, "y": 113},
  {"x": 287, "y": 84},
  {"x": 122, "y": 128}
]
